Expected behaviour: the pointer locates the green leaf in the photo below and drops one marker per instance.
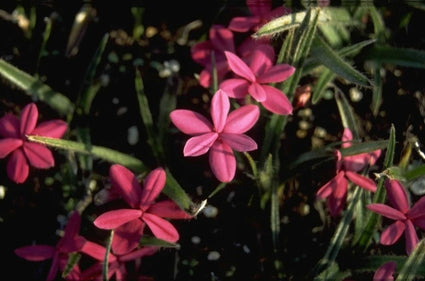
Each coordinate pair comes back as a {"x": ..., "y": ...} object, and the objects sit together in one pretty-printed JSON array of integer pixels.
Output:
[
  {"x": 73, "y": 259},
  {"x": 106, "y": 259},
  {"x": 364, "y": 147},
  {"x": 415, "y": 173},
  {"x": 332, "y": 60},
  {"x": 104, "y": 153},
  {"x": 412, "y": 264},
  {"x": 35, "y": 88},
  {"x": 348, "y": 118},
  {"x": 175, "y": 192},
  {"x": 396, "y": 56},
  {"x": 146, "y": 240},
  {"x": 324, "y": 79}
]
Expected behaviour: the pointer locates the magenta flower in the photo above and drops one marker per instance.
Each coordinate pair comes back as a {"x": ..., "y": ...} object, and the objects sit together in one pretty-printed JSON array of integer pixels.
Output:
[
  {"x": 406, "y": 218},
  {"x": 22, "y": 152},
  {"x": 254, "y": 77},
  {"x": 219, "y": 138},
  {"x": 70, "y": 242},
  {"x": 385, "y": 272},
  {"x": 335, "y": 190},
  {"x": 220, "y": 40},
  {"x": 261, "y": 13},
  {"x": 128, "y": 224}
]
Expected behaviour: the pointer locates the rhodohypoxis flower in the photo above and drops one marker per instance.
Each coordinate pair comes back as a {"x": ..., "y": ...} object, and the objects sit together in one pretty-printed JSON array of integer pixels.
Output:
[
  {"x": 385, "y": 272},
  {"x": 254, "y": 77},
  {"x": 22, "y": 152},
  {"x": 261, "y": 12},
  {"x": 335, "y": 190},
  {"x": 405, "y": 217},
  {"x": 128, "y": 224},
  {"x": 219, "y": 138},
  {"x": 70, "y": 242}
]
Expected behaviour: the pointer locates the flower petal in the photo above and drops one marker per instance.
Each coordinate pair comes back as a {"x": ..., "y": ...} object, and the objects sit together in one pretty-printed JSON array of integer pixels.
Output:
[
  {"x": 168, "y": 209},
  {"x": 386, "y": 211},
  {"x": 126, "y": 183},
  {"x": 222, "y": 38},
  {"x": 9, "y": 126},
  {"x": 38, "y": 155},
  {"x": 347, "y": 137},
  {"x": 261, "y": 59},
  {"x": 220, "y": 107},
  {"x": 242, "y": 119},
  {"x": 257, "y": 91},
  {"x": 52, "y": 129},
  {"x": 242, "y": 24},
  {"x": 127, "y": 237},
  {"x": 392, "y": 233},
  {"x": 17, "y": 166},
  {"x": 361, "y": 181},
  {"x": 8, "y": 145},
  {"x": 239, "y": 67},
  {"x": 28, "y": 120},
  {"x": 276, "y": 101},
  {"x": 152, "y": 186},
  {"x": 116, "y": 218},
  {"x": 385, "y": 272},
  {"x": 142, "y": 252},
  {"x": 222, "y": 161},
  {"x": 417, "y": 214},
  {"x": 161, "y": 228},
  {"x": 336, "y": 201},
  {"x": 330, "y": 186},
  {"x": 276, "y": 73},
  {"x": 239, "y": 142},
  {"x": 199, "y": 145},
  {"x": 397, "y": 195},
  {"x": 411, "y": 237},
  {"x": 190, "y": 122},
  {"x": 235, "y": 87},
  {"x": 96, "y": 251},
  {"x": 36, "y": 252}
]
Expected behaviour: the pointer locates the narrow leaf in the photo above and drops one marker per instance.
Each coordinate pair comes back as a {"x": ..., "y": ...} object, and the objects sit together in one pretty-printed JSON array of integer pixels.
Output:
[
  {"x": 364, "y": 147},
  {"x": 412, "y": 264},
  {"x": 146, "y": 240},
  {"x": 396, "y": 56},
  {"x": 324, "y": 79},
  {"x": 348, "y": 118},
  {"x": 173, "y": 190}
]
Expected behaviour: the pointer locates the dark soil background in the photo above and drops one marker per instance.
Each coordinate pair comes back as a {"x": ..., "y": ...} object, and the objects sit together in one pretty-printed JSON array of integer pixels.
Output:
[{"x": 235, "y": 242}]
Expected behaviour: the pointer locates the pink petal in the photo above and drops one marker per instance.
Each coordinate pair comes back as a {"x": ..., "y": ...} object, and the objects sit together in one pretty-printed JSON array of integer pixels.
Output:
[
  {"x": 417, "y": 211},
  {"x": 242, "y": 24},
  {"x": 220, "y": 107},
  {"x": 28, "y": 120},
  {"x": 96, "y": 251},
  {"x": 35, "y": 252},
  {"x": 199, "y": 145},
  {"x": 72, "y": 228},
  {"x": 262, "y": 58},
  {"x": 8, "y": 145},
  {"x": 142, "y": 252},
  {"x": 17, "y": 166},
  {"x": 277, "y": 73},
  {"x": 242, "y": 119},
  {"x": 116, "y": 218},
  {"x": 235, "y": 87},
  {"x": 276, "y": 101},
  {"x": 161, "y": 228},
  {"x": 385, "y": 272},
  {"x": 54, "y": 267},
  {"x": 239, "y": 142},
  {"x": 411, "y": 237},
  {"x": 392, "y": 233},
  {"x": 259, "y": 8},
  {"x": 257, "y": 91},
  {"x": 38, "y": 155},
  {"x": 361, "y": 181},
  {"x": 127, "y": 237},
  {"x": 126, "y": 183},
  {"x": 355, "y": 162},
  {"x": 222, "y": 162},
  {"x": 337, "y": 199},
  {"x": 168, "y": 209},
  {"x": 239, "y": 67},
  {"x": 201, "y": 52},
  {"x": 52, "y": 129},
  {"x": 190, "y": 122},
  {"x": 386, "y": 211},
  {"x": 330, "y": 186},
  {"x": 9, "y": 126},
  {"x": 397, "y": 195},
  {"x": 152, "y": 186},
  {"x": 222, "y": 38},
  {"x": 347, "y": 137}
]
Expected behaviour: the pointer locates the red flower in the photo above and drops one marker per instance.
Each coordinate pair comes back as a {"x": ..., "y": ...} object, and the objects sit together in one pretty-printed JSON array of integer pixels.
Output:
[
  {"x": 405, "y": 217},
  {"x": 22, "y": 152},
  {"x": 128, "y": 224},
  {"x": 335, "y": 190},
  {"x": 385, "y": 272}
]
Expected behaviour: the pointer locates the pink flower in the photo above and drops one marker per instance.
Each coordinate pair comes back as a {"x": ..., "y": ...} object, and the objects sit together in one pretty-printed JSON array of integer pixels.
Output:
[
  {"x": 405, "y": 217},
  {"x": 22, "y": 152},
  {"x": 70, "y": 242},
  {"x": 219, "y": 138},
  {"x": 254, "y": 77},
  {"x": 261, "y": 13},
  {"x": 385, "y": 272},
  {"x": 335, "y": 190},
  {"x": 220, "y": 40},
  {"x": 128, "y": 224}
]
